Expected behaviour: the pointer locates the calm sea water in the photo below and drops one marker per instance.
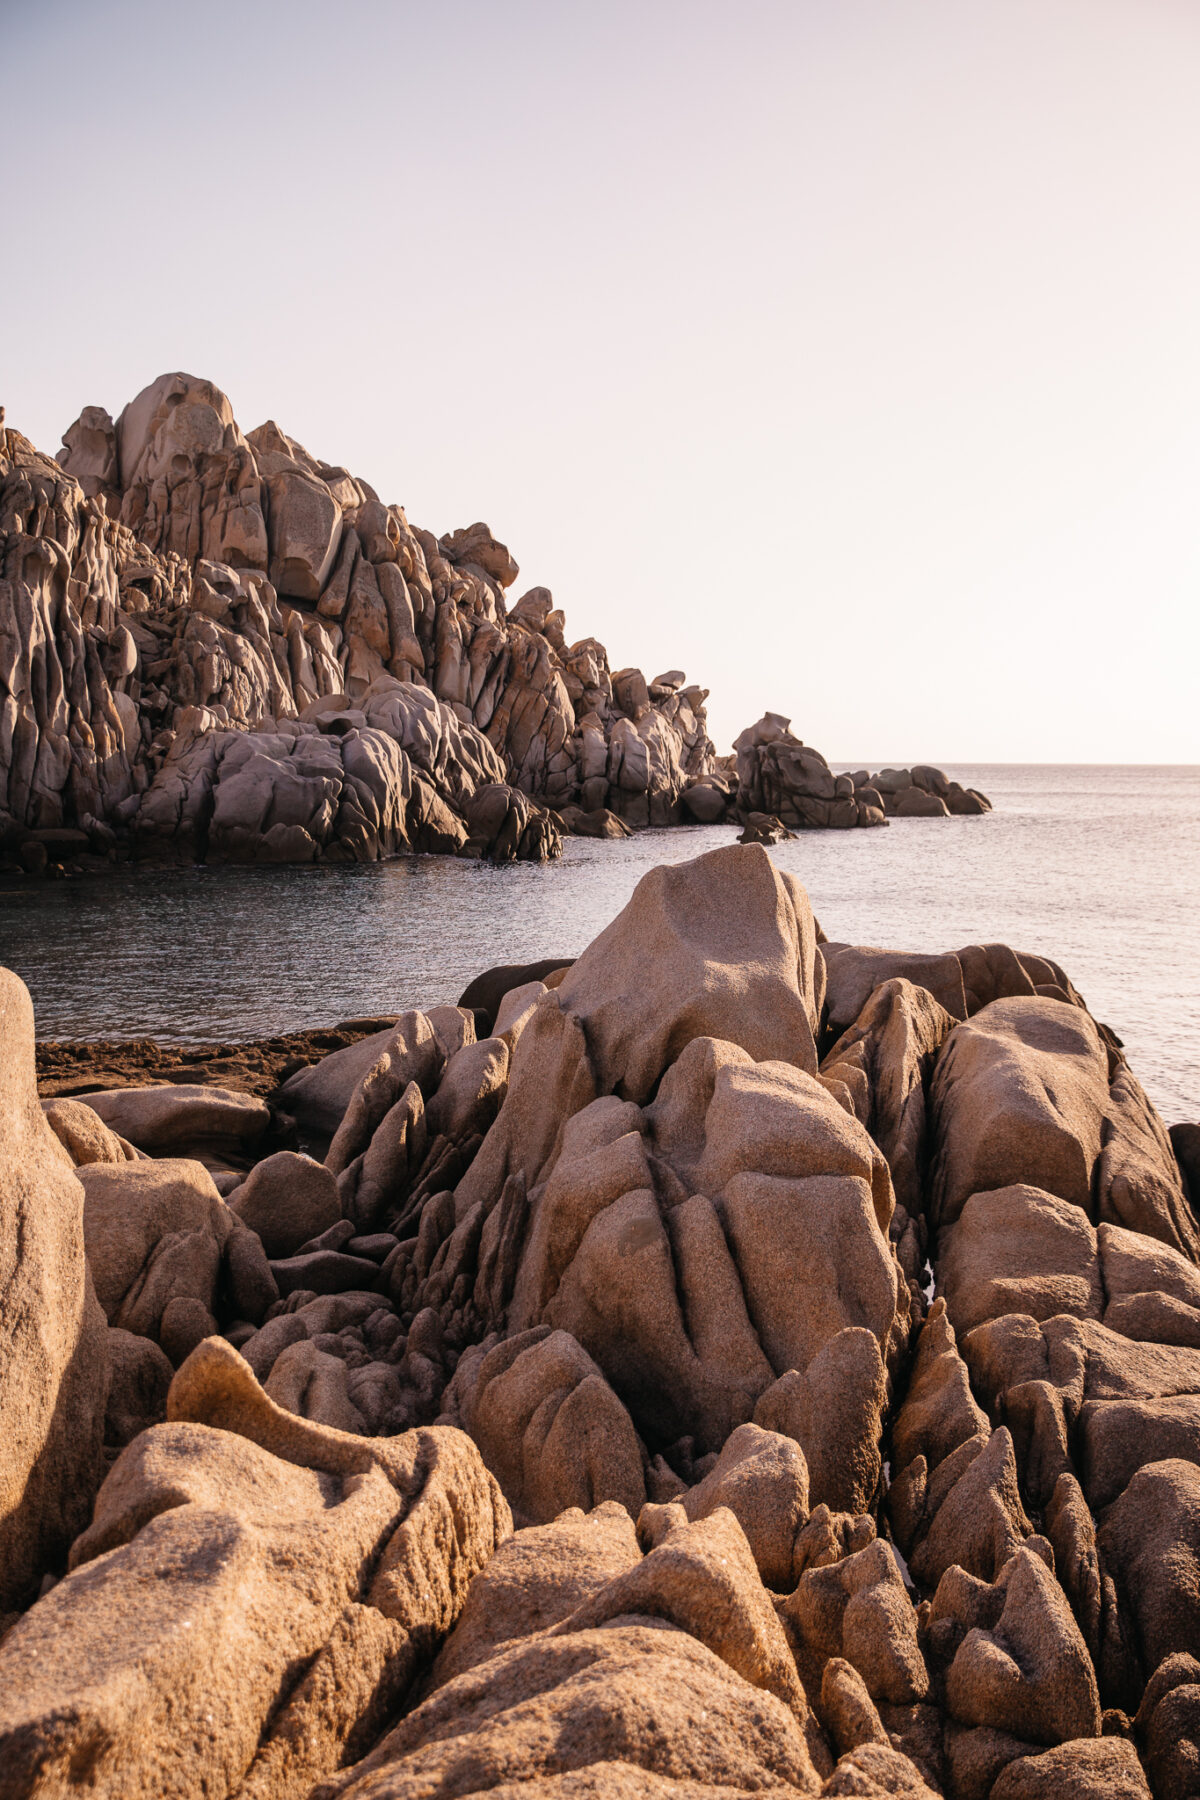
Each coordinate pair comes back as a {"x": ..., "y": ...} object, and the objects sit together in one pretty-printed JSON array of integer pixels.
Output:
[{"x": 1096, "y": 867}]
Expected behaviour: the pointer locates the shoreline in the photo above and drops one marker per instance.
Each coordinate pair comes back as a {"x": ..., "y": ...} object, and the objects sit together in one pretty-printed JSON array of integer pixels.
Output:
[{"x": 658, "y": 1302}]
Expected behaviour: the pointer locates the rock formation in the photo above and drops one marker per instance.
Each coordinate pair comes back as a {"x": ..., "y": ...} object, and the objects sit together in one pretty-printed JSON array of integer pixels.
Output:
[
  {"x": 783, "y": 782},
  {"x": 215, "y": 646},
  {"x": 727, "y": 1362}
]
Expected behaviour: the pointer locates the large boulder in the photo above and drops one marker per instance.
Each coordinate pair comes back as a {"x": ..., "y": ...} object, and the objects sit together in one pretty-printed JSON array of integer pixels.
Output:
[
  {"x": 53, "y": 1354},
  {"x": 548, "y": 1425},
  {"x": 1020, "y": 1251},
  {"x": 1022, "y": 1666},
  {"x": 266, "y": 1590},
  {"x": 287, "y": 1199},
  {"x": 1022, "y": 1094},
  {"x": 673, "y": 1676},
  {"x": 178, "y": 1119},
  {"x": 537, "y": 1578},
  {"x": 304, "y": 530},
  {"x": 723, "y": 947},
  {"x": 1150, "y": 1541},
  {"x": 164, "y": 1250},
  {"x": 768, "y": 1242}
]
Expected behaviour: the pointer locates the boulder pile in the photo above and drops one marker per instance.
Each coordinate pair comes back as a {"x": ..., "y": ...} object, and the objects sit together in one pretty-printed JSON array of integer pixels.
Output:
[
  {"x": 214, "y": 646},
  {"x": 729, "y": 1362},
  {"x": 782, "y": 783}
]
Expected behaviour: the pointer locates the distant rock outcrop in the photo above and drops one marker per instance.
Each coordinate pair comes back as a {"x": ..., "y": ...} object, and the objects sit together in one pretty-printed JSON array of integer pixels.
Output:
[
  {"x": 783, "y": 782},
  {"x": 215, "y": 645}
]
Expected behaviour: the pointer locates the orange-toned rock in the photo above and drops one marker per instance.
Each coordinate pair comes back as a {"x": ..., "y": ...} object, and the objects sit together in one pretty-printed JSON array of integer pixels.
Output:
[
  {"x": 53, "y": 1356},
  {"x": 262, "y": 1605}
]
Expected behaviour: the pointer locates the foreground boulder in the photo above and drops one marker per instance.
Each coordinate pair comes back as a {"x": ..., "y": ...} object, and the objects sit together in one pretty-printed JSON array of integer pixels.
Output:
[
  {"x": 53, "y": 1359},
  {"x": 697, "y": 1682},
  {"x": 268, "y": 1590}
]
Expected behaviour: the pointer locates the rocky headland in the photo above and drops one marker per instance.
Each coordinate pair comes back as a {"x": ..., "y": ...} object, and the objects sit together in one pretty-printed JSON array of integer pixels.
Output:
[
  {"x": 726, "y": 1362},
  {"x": 215, "y": 646}
]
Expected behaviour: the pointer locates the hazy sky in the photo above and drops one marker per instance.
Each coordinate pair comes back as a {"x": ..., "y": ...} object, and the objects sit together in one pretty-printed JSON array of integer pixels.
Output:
[{"x": 845, "y": 353}]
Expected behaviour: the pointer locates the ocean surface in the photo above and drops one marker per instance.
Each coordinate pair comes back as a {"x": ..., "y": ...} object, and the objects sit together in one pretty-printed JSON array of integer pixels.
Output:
[{"x": 1098, "y": 868}]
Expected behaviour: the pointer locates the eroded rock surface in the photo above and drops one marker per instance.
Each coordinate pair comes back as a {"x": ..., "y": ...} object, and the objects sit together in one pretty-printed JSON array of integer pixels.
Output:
[
  {"x": 222, "y": 647},
  {"x": 682, "y": 1389}
]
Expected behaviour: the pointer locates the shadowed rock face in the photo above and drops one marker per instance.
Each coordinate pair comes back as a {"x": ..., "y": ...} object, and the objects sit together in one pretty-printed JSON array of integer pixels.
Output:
[{"x": 653, "y": 1407}]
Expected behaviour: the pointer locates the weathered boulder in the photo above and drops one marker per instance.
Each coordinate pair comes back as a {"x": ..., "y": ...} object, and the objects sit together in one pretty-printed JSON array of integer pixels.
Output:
[
  {"x": 537, "y": 1578},
  {"x": 885, "y": 1061},
  {"x": 673, "y": 1676},
  {"x": 834, "y": 1410},
  {"x": 681, "y": 961},
  {"x": 287, "y": 1199},
  {"x": 859, "y": 1608},
  {"x": 1020, "y": 1250},
  {"x": 955, "y": 1496},
  {"x": 1150, "y": 1540},
  {"x": 1084, "y": 1399},
  {"x": 768, "y": 1244},
  {"x": 162, "y": 1246},
  {"x": 84, "y": 1135},
  {"x": 1087, "y": 1769},
  {"x": 548, "y": 1425},
  {"x": 53, "y": 1352},
  {"x": 1022, "y": 1094},
  {"x": 762, "y": 1478},
  {"x": 1168, "y": 1720},
  {"x": 175, "y": 1119},
  {"x": 139, "y": 1379},
  {"x": 264, "y": 1606},
  {"x": 1022, "y": 1666}
]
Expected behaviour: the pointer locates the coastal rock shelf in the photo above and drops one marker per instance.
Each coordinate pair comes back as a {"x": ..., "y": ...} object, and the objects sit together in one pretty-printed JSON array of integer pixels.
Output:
[
  {"x": 728, "y": 1362},
  {"x": 214, "y": 646}
]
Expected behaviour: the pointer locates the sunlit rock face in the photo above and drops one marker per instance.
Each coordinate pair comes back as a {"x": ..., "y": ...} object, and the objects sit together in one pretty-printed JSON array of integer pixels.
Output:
[{"x": 172, "y": 584}]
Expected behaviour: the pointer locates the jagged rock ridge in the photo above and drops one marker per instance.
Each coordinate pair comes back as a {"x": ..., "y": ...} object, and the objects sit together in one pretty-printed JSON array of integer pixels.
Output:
[
  {"x": 173, "y": 584},
  {"x": 213, "y": 645}
]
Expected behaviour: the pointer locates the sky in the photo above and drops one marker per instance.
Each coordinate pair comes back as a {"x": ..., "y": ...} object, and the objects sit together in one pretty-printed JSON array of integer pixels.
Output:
[{"x": 843, "y": 353}]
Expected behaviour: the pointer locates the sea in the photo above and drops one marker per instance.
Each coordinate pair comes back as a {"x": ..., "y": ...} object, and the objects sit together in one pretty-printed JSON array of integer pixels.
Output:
[{"x": 1096, "y": 867}]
